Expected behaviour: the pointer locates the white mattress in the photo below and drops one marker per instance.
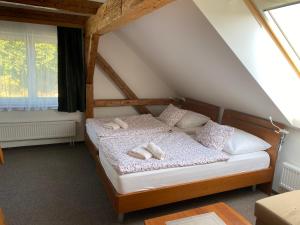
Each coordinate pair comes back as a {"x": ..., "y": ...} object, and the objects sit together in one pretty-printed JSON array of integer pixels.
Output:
[{"x": 142, "y": 181}]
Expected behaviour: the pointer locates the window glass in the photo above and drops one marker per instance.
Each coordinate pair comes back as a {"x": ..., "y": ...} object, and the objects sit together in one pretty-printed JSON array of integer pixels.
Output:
[
  {"x": 28, "y": 66},
  {"x": 13, "y": 69},
  {"x": 284, "y": 21}
]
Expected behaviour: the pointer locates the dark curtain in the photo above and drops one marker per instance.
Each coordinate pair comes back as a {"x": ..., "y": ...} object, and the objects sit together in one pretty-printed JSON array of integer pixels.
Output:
[{"x": 71, "y": 70}]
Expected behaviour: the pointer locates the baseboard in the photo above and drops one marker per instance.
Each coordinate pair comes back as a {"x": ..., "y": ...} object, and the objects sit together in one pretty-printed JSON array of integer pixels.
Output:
[{"x": 16, "y": 144}]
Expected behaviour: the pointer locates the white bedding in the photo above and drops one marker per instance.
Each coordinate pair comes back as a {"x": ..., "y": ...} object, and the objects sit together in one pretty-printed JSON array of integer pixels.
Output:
[
  {"x": 179, "y": 148},
  {"x": 91, "y": 131},
  {"x": 129, "y": 183},
  {"x": 137, "y": 124}
]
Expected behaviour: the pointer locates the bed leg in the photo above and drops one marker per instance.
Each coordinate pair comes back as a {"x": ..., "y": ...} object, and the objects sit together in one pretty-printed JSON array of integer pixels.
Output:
[
  {"x": 254, "y": 188},
  {"x": 121, "y": 217}
]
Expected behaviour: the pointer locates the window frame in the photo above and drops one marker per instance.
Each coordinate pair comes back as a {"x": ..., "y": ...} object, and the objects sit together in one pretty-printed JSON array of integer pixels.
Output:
[
  {"x": 264, "y": 23},
  {"x": 281, "y": 36}
]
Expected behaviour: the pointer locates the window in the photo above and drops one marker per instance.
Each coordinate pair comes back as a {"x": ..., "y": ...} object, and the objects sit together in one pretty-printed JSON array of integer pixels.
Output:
[
  {"x": 28, "y": 66},
  {"x": 284, "y": 21}
]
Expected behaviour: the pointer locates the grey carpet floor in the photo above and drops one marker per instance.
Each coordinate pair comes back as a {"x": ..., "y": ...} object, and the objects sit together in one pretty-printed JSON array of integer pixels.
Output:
[{"x": 58, "y": 185}]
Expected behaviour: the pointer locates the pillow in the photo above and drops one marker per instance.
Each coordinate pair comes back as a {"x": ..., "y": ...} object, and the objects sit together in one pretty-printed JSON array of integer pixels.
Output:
[
  {"x": 190, "y": 131},
  {"x": 243, "y": 142},
  {"x": 192, "y": 119},
  {"x": 171, "y": 115},
  {"x": 214, "y": 135}
]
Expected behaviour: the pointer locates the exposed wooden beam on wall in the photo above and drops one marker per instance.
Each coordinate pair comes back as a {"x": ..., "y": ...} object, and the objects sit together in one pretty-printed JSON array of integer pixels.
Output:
[
  {"x": 111, "y": 15},
  {"x": 91, "y": 49},
  {"x": 112, "y": 74},
  {"x": 89, "y": 112},
  {"x": 76, "y": 6},
  {"x": 115, "y": 13},
  {"x": 39, "y": 17},
  {"x": 132, "y": 102}
]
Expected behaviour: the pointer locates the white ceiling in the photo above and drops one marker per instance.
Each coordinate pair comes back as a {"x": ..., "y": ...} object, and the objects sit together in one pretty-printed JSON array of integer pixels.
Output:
[{"x": 182, "y": 47}]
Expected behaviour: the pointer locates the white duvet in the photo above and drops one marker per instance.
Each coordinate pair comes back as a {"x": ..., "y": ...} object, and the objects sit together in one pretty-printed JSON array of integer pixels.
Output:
[
  {"x": 137, "y": 125},
  {"x": 181, "y": 150}
]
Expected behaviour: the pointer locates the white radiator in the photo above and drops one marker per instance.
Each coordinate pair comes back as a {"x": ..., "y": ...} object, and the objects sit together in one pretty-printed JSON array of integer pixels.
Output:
[
  {"x": 290, "y": 178},
  {"x": 37, "y": 130}
]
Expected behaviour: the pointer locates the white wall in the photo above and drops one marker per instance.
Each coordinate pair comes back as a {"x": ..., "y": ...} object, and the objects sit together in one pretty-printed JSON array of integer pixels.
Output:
[
  {"x": 144, "y": 82},
  {"x": 290, "y": 153},
  {"x": 183, "y": 47}
]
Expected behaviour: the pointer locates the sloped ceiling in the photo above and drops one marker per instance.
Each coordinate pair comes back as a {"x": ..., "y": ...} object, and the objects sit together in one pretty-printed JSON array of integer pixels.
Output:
[{"x": 182, "y": 47}]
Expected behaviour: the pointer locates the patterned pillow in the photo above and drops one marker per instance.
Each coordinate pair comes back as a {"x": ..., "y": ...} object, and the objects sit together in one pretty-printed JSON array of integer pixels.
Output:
[
  {"x": 172, "y": 115},
  {"x": 214, "y": 135}
]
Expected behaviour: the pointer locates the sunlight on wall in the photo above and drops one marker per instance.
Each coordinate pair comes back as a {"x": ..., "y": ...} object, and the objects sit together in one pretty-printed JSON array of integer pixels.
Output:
[
  {"x": 258, "y": 53},
  {"x": 277, "y": 78}
]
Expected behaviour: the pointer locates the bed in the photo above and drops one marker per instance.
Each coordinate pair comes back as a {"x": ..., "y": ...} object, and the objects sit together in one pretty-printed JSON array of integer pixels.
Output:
[{"x": 160, "y": 187}]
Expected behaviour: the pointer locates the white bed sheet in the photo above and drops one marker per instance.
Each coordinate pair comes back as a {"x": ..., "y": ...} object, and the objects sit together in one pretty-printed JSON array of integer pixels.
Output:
[
  {"x": 95, "y": 138},
  {"x": 142, "y": 181},
  {"x": 137, "y": 125}
]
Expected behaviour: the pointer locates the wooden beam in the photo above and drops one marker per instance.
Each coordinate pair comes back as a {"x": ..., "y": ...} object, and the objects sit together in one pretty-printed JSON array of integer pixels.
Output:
[
  {"x": 261, "y": 20},
  {"x": 89, "y": 112},
  {"x": 132, "y": 102},
  {"x": 91, "y": 48},
  {"x": 112, "y": 74},
  {"x": 115, "y": 13},
  {"x": 76, "y": 6},
  {"x": 39, "y": 17},
  {"x": 2, "y": 222}
]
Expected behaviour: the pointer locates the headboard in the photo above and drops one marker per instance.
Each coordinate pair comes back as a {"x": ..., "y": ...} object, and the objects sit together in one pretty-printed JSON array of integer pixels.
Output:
[
  {"x": 206, "y": 109},
  {"x": 257, "y": 126}
]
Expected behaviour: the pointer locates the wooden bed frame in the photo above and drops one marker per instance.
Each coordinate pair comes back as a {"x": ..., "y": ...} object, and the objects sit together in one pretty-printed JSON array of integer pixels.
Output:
[{"x": 124, "y": 203}]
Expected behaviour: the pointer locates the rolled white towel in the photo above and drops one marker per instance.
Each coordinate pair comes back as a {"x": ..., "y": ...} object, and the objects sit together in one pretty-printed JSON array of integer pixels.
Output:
[
  {"x": 155, "y": 151},
  {"x": 111, "y": 125},
  {"x": 140, "y": 152},
  {"x": 121, "y": 123}
]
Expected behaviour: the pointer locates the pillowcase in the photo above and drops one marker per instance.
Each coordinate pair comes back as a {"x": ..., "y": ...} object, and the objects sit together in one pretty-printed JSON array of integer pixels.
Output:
[
  {"x": 192, "y": 119},
  {"x": 171, "y": 115},
  {"x": 189, "y": 131},
  {"x": 214, "y": 135},
  {"x": 243, "y": 142}
]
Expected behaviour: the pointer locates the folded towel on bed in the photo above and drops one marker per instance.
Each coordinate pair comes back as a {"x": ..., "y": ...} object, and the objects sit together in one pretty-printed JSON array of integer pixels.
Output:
[
  {"x": 140, "y": 152},
  {"x": 112, "y": 125},
  {"x": 156, "y": 151},
  {"x": 121, "y": 123}
]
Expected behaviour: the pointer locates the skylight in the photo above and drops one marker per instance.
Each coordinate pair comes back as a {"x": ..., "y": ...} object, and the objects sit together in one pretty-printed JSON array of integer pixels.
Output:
[{"x": 284, "y": 22}]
